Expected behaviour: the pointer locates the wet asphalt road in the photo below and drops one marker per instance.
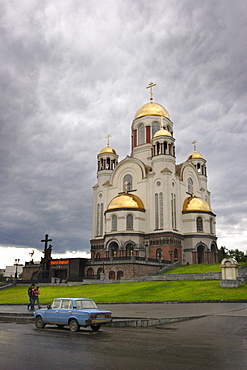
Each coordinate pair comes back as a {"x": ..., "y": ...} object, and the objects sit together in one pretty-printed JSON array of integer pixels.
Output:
[{"x": 212, "y": 342}]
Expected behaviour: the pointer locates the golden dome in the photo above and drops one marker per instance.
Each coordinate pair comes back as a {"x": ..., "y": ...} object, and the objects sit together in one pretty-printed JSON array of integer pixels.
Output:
[
  {"x": 195, "y": 204},
  {"x": 107, "y": 149},
  {"x": 162, "y": 132},
  {"x": 152, "y": 109},
  {"x": 126, "y": 201},
  {"x": 195, "y": 155}
]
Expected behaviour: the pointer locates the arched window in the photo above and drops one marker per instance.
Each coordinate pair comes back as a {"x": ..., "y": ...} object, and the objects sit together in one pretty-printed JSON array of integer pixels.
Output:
[
  {"x": 155, "y": 127},
  {"x": 127, "y": 183},
  {"x": 129, "y": 250},
  {"x": 99, "y": 271},
  {"x": 141, "y": 134},
  {"x": 158, "y": 254},
  {"x": 90, "y": 273},
  {"x": 199, "y": 224},
  {"x": 129, "y": 222},
  {"x": 112, "y": 275},
  {"x": 119, "y": 275},
  {"x": 114, "y": 223},
  {"x": 98, "y": 255},
  {"x": 190, "y": 185},
  {"x": 175, "y": 254},
  {"x": 108, "y": 163}
]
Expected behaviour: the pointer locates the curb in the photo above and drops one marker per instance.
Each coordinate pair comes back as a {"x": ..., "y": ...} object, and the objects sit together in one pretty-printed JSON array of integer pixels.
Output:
[{"x": 116, "y": 323}]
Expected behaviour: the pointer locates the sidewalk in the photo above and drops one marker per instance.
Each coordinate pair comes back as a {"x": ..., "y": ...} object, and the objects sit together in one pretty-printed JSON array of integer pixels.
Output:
[{"x": 141, "y": 314}]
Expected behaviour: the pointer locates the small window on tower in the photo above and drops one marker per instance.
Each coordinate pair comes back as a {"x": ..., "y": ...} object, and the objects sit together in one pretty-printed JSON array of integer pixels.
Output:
[{"x": 190, "y": 185}]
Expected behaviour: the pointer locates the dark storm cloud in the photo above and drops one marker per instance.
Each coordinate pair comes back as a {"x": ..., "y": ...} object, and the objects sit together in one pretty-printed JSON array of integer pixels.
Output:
[{"x": 72, "y": 72}]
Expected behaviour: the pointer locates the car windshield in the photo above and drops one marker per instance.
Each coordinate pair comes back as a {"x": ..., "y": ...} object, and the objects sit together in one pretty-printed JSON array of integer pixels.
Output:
[{"x": 85, "y": 304}]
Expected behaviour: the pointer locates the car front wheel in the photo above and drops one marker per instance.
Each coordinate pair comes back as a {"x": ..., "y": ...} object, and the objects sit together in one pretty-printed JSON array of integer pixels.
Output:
[
  {"x": 95, "y": 327},
  {"x": 73, "y": 325},
  {"x": 39, "y": 323}
]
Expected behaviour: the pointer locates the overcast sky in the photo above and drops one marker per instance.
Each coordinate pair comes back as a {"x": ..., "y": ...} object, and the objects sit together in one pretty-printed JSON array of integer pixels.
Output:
[{"x": 74, "y": 71}]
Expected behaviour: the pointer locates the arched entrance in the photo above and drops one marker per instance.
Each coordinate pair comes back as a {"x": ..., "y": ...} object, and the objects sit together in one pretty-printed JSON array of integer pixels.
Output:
[
  {"x": 200, "y": 254},
  {"x": 99, "y": 271}
]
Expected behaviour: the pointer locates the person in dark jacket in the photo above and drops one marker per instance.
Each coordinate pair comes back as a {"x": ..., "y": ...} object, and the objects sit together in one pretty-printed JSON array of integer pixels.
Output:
[{"x": 30, "y": 293}]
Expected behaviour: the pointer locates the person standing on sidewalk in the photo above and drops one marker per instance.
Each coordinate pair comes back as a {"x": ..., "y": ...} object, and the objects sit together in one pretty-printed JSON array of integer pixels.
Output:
[
  {"x": 30, "y": 293},
  {"x": 36, "y": 296}
]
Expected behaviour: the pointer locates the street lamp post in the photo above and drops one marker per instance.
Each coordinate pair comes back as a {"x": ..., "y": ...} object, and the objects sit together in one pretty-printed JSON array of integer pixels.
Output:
[{"x": 16, "y": 265}]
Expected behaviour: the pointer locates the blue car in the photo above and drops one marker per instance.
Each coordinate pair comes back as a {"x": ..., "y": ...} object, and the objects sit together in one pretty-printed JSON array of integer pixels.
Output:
[{"x": 74, "y": 312}]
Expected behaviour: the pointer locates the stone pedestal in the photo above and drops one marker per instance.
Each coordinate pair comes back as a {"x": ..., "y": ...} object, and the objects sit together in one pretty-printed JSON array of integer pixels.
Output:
[{"x": 229, "y": 273}]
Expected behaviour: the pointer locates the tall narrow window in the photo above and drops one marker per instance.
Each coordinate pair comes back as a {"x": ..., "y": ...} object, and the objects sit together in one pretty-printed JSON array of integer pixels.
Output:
[
  {"x": 211, "y": 226},
  {"x": 114, "y": 223},
  {"x": 199, "y": 224},
  {"x": 174, "y": 212},
  {"x": 161, "y": 210},
  {"x": 141, "y": 134},
  {"x": 156, "y": 210},
  {"x": 155, "y": 127},
  {"x": 101, "y": 219},
  {"x": 190, "y": 185},
  {"x": 127, "y": 183},
  {"x": 129, "y": 222},
  {"x": 98, "y": 219}
]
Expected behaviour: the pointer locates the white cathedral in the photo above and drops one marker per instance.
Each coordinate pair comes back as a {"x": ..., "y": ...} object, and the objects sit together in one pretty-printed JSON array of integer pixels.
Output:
[{"x": 148, "y": 211}]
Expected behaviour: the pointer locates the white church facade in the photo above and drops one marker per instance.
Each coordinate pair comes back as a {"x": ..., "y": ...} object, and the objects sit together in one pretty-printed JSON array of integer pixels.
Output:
[{"x": 149, "y": 211}]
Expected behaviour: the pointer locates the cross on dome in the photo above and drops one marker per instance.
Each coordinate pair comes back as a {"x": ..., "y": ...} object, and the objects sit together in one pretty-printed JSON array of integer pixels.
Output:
[
  {"x": 150, "y": 86},
  {"x": 194, "y": 142},
  {"x": 108, "y": 140}
]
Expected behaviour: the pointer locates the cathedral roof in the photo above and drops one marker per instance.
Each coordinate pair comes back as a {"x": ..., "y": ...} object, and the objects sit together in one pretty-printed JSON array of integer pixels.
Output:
[
  {"x": 195, "y": 155},
  {"x": 108, "y": 149},
  {"x": 126, "y": 201},
  {"x": 162, "y": 132},
  {"x": 152, "y": 109},
  {"x": 195, "y": 204}
]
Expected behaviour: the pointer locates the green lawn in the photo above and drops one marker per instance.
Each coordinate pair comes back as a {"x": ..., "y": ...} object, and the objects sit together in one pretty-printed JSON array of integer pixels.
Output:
[
  {"x": 194, "y": 269},
  {"x": 155, "y": 291}
]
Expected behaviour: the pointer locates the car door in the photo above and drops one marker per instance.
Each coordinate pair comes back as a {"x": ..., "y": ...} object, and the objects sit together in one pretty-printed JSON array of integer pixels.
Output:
[
  {"x": 52, "y": 314},
  {"x": 65, "y": 311}
]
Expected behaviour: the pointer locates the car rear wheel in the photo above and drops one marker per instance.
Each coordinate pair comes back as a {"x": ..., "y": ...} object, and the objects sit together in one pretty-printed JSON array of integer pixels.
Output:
[
  {"x": 95, "y": 327},
  {"x": 39, "y": 323},
  {"x": 73, "y": 325}
]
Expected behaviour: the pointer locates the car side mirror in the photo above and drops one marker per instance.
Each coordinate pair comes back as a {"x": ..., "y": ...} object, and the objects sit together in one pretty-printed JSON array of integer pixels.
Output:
[{"x": 49, "y": 306}]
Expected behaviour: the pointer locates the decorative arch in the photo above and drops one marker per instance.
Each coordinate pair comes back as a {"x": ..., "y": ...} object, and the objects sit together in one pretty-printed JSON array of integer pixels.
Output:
[
  {"x": 119, "y": 274},
  {"x": 90, "y": 273},
  {"x": 127, "y": 182},
  {"x": 201, "y": 249},
  {"x": 99, "y": 271},
  {"x": 112, "y": 275},
  {"x": 214, "y": 253}
]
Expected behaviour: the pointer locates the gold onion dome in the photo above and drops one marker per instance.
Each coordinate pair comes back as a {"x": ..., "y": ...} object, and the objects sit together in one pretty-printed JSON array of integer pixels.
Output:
[
  {"x": 152, "y": 109},
  {"x": 162, "y": 132},
  {"x": 195, "y": 155},
  {"x": 107, "y": 149},
  {"x": 195, "y": 204},
  {"x": 126, "y": 201}
]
